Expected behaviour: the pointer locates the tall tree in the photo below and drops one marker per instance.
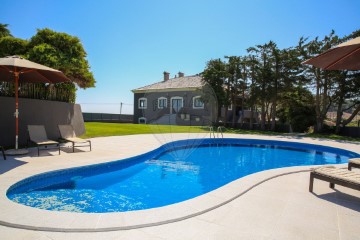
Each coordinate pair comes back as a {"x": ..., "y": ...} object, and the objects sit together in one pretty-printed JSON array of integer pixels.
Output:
[
  {"x": 226, "y": 78},
  {"x": 215, "y": 75},
  {"x": 348, "y": 90},
  {"x": 346, "y": 96},
  {"x": 4, "y": 31},
  {"x": 64, "y": 52},
  {"x": 235, "y": 73},
  {"x": 297, "y": 109},
  {"x": 276, "y": 56},
  {"x": 276, "y": 76},
  {"x": 333, "y": 88},
  {"x": 263, "y": 76},
  {"x": 253, "y": 91},
  {"x": 287, "y": 70},
  {"x": 12, "y": 46},
  {"x": 322, "y": 81},
  {"x": 244, "y": 73}
]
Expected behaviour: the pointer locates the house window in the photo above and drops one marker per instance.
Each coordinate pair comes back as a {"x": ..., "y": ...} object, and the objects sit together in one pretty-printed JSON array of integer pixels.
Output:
[
  {"x": 142, "y": 120},
  {"x": 176, "y": 104},
  {"x": 142, "y": 103},
  {"x": 162, "y": 102},
  {"x": 230, "y": 107},
  {"x": 197, "y": 103}
]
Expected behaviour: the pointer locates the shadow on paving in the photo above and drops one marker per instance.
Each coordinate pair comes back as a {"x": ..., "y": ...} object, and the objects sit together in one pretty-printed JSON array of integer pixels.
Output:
[
  {"x": 68, "y": 149},
  {"x": 9, "y": 164},
  {"x": 342, "y": 199}
]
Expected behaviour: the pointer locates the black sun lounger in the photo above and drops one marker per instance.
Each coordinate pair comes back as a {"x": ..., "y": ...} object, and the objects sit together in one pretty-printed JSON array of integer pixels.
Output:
[
  {"x": 37, "y": 135},
  {"x": 67, "y": 134}
]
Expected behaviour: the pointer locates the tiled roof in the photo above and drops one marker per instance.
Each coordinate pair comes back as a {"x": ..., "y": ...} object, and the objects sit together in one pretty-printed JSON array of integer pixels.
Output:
[{"x": 175, "y": 83}]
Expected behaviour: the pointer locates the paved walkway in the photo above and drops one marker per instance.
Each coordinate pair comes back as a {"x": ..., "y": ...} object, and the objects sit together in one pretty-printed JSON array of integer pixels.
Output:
[{"x": 279, "y": 208}]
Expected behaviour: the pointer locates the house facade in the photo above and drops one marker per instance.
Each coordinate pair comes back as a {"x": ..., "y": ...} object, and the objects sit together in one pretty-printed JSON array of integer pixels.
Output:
[{"x": 183, "y": 100}]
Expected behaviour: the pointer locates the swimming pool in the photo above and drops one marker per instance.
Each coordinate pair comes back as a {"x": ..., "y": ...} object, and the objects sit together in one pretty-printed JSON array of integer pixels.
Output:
[{"x": 173, "y": 173}]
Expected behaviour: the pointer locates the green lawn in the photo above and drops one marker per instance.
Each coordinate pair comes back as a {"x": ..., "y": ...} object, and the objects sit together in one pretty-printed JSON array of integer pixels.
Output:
[{"x": 96, "y": 129}]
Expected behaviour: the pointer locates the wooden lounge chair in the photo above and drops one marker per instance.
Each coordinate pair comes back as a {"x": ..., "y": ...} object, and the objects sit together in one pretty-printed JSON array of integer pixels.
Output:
[
  {"x": 37, "y": 135},
  {"x": 354, "y": 162},
  {"x": 3, "y": 152},
  {"x": 67, "y": 134},
  {"x": 334, "y": 176}
]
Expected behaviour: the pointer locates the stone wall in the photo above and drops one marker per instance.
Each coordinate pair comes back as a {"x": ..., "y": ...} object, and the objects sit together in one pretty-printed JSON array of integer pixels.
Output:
[
  {"x": 37, "y": 112},
  {"x": 108, "y": 117}
]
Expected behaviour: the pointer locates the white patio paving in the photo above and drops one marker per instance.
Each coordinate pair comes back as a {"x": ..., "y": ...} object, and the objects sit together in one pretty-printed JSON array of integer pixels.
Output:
[{"x": 274, "y": 204}]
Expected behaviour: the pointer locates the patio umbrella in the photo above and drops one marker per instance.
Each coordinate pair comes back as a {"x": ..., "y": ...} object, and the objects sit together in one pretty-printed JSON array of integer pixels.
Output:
[
  {"x": 17, "y": 69},
  {"x": 345, "y": 56}
]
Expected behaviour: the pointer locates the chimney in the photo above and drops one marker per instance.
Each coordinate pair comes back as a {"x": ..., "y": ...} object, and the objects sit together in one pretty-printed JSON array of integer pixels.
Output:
[
  {"x": 181, "y": 74},
  {"x": 166, "y": 76}
]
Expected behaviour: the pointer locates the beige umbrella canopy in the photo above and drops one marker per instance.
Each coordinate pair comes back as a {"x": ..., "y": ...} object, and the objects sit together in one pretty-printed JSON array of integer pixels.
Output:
[
  {"x": 345, "y": 56},
  {"x": 16, "y": 69}
]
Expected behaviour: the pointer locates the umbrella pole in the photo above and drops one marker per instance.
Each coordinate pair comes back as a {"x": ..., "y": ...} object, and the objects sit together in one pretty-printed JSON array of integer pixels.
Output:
[
  {"x": 17, "y": 151},
  {"x": 16, "y": 109}
]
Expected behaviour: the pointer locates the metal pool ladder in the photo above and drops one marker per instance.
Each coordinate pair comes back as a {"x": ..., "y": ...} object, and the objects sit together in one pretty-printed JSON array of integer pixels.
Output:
[{"x": 219, "y": 131}]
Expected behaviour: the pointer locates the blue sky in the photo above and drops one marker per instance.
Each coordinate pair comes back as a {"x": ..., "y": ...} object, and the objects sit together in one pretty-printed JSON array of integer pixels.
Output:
[{"x": 130, "y": 43}]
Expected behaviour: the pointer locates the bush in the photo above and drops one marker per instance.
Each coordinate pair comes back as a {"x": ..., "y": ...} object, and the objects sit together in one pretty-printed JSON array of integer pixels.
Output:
[
  {"x": 62, "y": 92},
  {"x": 302, "y": 117},
  {"x": 299, "y": 116}
]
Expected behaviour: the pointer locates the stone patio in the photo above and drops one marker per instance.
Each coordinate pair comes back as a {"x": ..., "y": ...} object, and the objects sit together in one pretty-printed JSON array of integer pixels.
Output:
[{"x": 273, "y": 204}]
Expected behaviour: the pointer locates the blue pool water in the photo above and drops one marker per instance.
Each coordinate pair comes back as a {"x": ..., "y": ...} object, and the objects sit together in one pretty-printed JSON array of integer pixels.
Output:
[{"x": 173, "y": 173}]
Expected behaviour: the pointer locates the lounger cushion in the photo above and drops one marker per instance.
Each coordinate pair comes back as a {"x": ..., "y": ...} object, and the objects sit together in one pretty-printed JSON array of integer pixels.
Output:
[
  {"x": 354, "y": 160},
  {"x": 46, "y": 142},
  {"x": 75, "y": 139},
  {"x": 338, "y": 173}
]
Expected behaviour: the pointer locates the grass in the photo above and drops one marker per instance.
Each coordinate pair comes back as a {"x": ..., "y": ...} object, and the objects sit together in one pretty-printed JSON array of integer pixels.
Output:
[
  {"x": 333, "y": 137},
  {"x": 97, "y": 129}
]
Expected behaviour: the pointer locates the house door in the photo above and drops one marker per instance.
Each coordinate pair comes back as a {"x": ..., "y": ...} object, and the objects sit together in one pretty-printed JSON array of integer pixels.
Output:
[{"x": 176, "y": 104}]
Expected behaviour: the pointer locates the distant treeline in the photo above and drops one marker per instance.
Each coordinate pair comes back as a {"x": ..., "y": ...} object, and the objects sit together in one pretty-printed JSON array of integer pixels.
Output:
[{"x": 274, "y": 82}]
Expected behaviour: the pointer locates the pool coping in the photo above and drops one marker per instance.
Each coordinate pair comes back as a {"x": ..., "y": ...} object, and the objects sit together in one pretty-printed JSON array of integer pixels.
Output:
[{"x": 19, "y": 216}]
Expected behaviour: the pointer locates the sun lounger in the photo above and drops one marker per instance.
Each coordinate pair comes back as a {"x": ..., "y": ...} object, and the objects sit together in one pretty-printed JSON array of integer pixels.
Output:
[
  {"x": 37, "y": 135},
  {"x": 3, "y": 152},
  {"x": 354, "y": 162},
  {"x": 67, "y": 133},
  {"x": 334, "y": 176}
]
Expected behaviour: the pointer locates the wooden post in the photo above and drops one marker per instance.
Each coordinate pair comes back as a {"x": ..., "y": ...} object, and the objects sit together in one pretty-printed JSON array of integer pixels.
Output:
[{"x": 16, "y": 109}]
